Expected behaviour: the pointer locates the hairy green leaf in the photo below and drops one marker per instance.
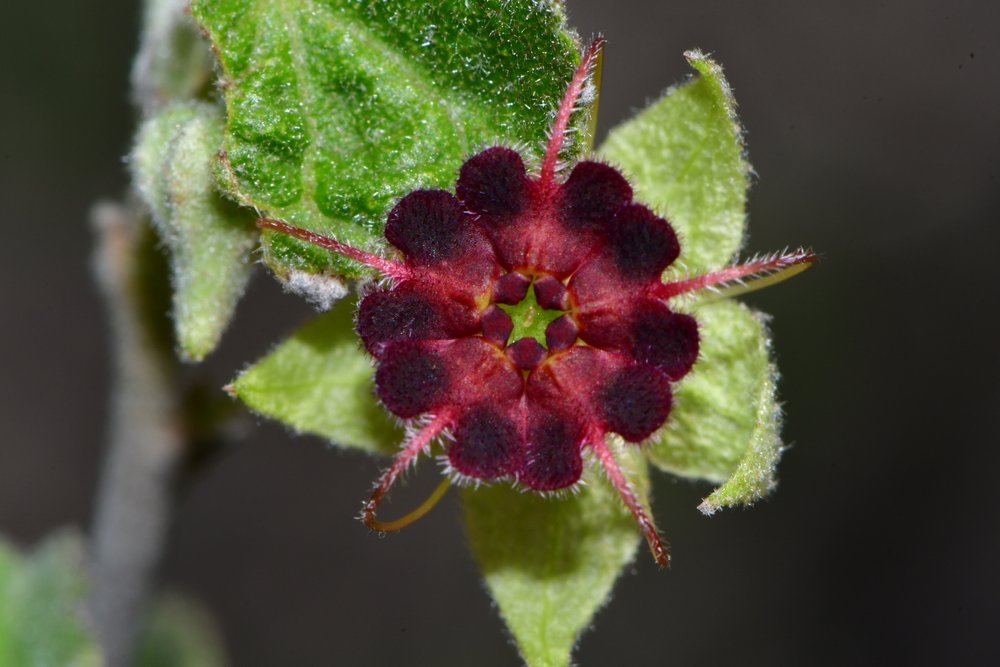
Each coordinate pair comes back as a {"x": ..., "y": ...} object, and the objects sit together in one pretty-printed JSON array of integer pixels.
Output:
[
  {"x": 684, "y": 157},
  {"x": 725, "y": 425},
  {"x": 41, "y": 606},
  {"x": 336, "y": 108},
  {"x": 320, "y": 381},
  {"x": 549, "y": 562},
  {"x": 209, "y": 238}
]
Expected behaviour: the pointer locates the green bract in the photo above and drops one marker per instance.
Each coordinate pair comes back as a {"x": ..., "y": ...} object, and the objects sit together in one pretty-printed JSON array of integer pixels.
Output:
[
  {"x": 336, "y": 109},
  {"x": 209, "y": 238},
  {"x": 550, "y": 563},
  {"x": 320, "y": 381}
]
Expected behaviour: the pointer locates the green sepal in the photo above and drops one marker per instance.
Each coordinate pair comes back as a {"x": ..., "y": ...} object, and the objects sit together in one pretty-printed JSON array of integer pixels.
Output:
[
  {"x": 336, "y": 108},
  {"x": 41, "y": 605},
  {"x": 550, "y": 562},
  {"x": 684, "y": 157},
  {"x": 320, "y": 381},
  {"x": 726, "y": 421},
  {"x": 208, "y": 237}
]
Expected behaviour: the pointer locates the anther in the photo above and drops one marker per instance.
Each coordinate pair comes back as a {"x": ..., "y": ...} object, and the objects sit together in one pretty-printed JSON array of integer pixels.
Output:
[
  {"x": 551, "y": 294},
  {"x": 511, "y": 288},
  {"x": 527, "y": 354},
  {"x": 497, "y": 326},
  {"x": 561, "y": 334}
]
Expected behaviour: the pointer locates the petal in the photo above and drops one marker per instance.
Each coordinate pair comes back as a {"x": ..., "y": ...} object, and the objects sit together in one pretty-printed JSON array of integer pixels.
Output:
[
  {"x": 429, "y": 227},
  {"x": 488, "y": 443},
  {"x": 494, "y": 185},
  {"x": 635, "y": 402},
  {"x": 642, "y": 244},
  {"x": 482, "y": 373},
  {"x": 552, "y": 456},
  {"x": 412, "y": 378},
  {"x": 639, "y": 247},
  {"x": 646, "y": 330},
  {"x": 664, "y": 339},
  {"x": 411, "y": 312},
  {"x": 444, "y": 244},
  {"x": 592, "y": 195}
]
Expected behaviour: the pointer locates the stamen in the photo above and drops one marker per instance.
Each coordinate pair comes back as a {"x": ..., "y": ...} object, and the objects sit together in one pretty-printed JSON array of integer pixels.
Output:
[
  {"x": 415, "y": 515},
  {"x": 590, "y": 58},
  {"x": 403, "y": 460},
  {"x": 742, "y": 278},
  {"x": 625, "y": 490},
  {"x": 381, "y": 264}
]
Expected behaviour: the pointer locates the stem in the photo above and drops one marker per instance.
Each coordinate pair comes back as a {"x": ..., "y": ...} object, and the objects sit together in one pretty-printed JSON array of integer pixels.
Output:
[
  {"x": 381, "y": 264},
  {"x": 631, "y": 499},
  {"x": 742, "y": 278},
  {"x": 411, "y": 450},
  {"x": 566, "y": 108},
  {"x": 145, "y": 447}
]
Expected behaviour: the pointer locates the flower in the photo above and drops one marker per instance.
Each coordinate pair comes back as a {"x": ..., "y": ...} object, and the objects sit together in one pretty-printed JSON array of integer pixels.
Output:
[{"x": 527, "y": 319}]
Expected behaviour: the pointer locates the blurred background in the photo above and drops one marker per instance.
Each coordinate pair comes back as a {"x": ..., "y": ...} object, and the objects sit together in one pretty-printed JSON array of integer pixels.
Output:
[{"x": 874, "y": 128}]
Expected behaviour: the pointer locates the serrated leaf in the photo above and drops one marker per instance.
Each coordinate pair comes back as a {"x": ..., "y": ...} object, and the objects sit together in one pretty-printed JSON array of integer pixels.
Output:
[
  {"x": 684, "y": 157},
  {"x": 550, "y": 563},
  {"x": 209, "y": 238},
  {"x": 320, "y": 381},
  {"x": 180, "y": 633},
  {"x": 725, "y": 425},
  {"x": 337, "y": 107},
  {"x": 41, "y": 606}
]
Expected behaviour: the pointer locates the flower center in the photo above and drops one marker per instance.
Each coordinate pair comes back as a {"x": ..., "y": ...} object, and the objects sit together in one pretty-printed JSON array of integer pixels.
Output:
[{"x": 531, "y": 317}]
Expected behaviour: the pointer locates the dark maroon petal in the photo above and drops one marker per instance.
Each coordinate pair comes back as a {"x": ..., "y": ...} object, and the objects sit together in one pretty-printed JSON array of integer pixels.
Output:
[
  {"x": 641, "y": 244},
  {"x": 552, "y": 458},
  {"x": 635, "y": 402},
  {"x": 526, "y": 353},
  {"x": 511, "y": 288},
  {"x": 482, "y": 373},
  {"x": 494, "y": 185},
  {"x": 551, "y": 294},
  {"x": 429, "y": 226},
  {"x": 402, "y": 314},
  {"x": 560, "y": 334},
  {"x": 487, "y": 443},
  {"x": 412, "y": 378},
  {"x": 592, "y": 195},
  {"x": 664, "y": 339},
  {"x": 497, "y": 325}
]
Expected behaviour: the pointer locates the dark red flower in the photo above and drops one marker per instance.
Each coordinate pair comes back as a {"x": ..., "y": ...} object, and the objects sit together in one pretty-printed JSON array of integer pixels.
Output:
[{"x": 527, "y": 319}]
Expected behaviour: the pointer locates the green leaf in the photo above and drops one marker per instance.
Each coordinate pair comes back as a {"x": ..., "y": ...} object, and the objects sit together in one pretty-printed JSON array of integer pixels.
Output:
[
  {"x": 336, "y": 108},
  {"x": 320, "y": 381},
  {"x": 180, "y": 633},
  {"x": 550, "y": 562},
  {"x": 684, "y": 157},
  {"x": 208, "y": 237},
  {"x": 726, "y": 422},
  {"x": 41, "y": 606}
]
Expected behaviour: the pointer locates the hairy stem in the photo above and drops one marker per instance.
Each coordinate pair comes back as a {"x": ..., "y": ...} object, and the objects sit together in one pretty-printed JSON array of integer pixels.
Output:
[{"x": 145, "y": 446}]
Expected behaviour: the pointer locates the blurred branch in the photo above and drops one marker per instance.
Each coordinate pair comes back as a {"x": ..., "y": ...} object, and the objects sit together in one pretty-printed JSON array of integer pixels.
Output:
[{"x": 146, "y": 443}]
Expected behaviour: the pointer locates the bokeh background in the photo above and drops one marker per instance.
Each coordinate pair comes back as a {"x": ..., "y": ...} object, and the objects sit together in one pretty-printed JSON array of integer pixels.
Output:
[{"x": 874, "y": 128}]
